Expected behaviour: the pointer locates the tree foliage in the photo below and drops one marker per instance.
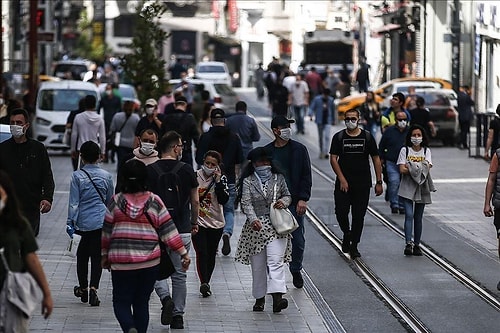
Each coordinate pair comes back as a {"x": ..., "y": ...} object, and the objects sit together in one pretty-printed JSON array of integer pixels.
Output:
[
  {"x": 84, "y": 47},
  {"x": 144, "y": 66}
]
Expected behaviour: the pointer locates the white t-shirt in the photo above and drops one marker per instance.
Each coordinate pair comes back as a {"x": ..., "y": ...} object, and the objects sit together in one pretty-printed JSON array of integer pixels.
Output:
[
  {"x": 414, "y": 156},
  {"x": 298, "y": 91}
]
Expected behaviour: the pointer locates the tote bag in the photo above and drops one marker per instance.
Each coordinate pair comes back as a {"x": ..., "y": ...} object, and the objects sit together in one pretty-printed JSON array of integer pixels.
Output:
[{"x": 282, "y": 219}]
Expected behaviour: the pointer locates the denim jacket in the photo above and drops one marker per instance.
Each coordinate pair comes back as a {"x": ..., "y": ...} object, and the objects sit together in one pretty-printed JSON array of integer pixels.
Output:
[{"x": 86, "y": 210}]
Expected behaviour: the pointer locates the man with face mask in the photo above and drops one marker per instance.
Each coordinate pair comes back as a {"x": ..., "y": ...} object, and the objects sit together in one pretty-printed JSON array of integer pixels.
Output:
[
  {"x": 110, "y": 105},
  {"x": 390, "y": 146},
  {"x": 125, "y": 123},
  {"x": 26, "y": 161},
  {"x": 292, "y": 158},
  {"x": 349, "y": 152},
  {"x": 152, "y": 119}
]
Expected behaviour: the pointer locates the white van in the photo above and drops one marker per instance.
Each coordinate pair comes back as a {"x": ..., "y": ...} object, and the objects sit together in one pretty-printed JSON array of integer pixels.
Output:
[{"x": 54, "y": 102}]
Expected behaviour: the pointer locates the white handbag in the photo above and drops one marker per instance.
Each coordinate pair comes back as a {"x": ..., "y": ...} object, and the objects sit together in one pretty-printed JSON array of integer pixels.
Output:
[{"x": 282, "y": 219}]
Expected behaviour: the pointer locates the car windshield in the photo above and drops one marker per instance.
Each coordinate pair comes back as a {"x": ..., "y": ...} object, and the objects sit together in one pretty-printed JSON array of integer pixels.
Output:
[
  {"x": 224, "y": 89},
  {"x": 128, "y": 92},
  {"x": 211, "y": 69},
  {"x": 62, "y": 100},
  {"x": 404, "y": 89},
  {"x": 435, "y": 100}
]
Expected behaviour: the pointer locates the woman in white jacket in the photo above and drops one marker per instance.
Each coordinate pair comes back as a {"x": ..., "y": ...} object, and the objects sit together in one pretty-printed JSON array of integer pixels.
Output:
[{"x": 416, "y": 185}]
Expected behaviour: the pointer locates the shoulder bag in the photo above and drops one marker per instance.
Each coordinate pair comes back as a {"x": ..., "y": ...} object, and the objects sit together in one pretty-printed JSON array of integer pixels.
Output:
[
  {"x": 95, "y": 186},
  {"x": 118, "y": 134},
  {"x": 166, "y": 265},
  {"x": 282, "y": 219}
]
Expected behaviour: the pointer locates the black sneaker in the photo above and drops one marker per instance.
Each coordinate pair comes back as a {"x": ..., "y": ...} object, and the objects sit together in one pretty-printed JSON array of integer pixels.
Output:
[
  {"x": 177, "y": 322},
  {"x": 205, "y": 290},
  {"x": 408, "y": 250},
  {"x": 402, "y": 211},
  {"x": 226, "y": 246},
  {"x": 81, "y": 293},
  {"x": 498, "y": 285},
  {"x": 353, "y": 251},
  {"x": 298, "y": 281},
  {"x": 394, "y": 210},
  {"x": 417, "y": 251},
  {"x": 93, "y": 299},
  {"x": 166, "y": 310},
  {"x": 346, "y": 244}
]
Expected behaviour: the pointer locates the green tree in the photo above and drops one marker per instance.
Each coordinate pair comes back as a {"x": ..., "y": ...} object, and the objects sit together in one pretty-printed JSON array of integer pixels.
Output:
[
  {"x": 144, "y": 66},
  {"x": 84, "y": 47}
]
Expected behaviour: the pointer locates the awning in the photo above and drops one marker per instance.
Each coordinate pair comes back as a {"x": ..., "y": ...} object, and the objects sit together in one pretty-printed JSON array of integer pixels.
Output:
[{"x": 224, "y": 40}]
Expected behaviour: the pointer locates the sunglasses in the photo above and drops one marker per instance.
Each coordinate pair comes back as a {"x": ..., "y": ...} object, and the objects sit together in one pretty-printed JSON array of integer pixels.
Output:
[{"x": 351, "y": 119}]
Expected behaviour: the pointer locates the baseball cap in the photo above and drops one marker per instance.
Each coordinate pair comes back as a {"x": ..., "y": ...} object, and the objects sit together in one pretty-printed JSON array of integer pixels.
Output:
[
  {"x": 280, "y": 121},
  {"x": 217, "y": 113},
  {"x": 152, "y": 102},
  {"x": 181, "y": 99}
]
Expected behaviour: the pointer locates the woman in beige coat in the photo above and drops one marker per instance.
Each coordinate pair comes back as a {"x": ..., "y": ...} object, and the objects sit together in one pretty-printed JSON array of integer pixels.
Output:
[{"x": 259, "y": 244}]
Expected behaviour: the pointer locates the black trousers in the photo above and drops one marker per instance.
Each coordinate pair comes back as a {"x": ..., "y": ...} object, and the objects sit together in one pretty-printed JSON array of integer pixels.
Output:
[
  {"x": 205, "y": 244},
  {"x": 89, "y": 248},
  {"x": 356, "y": 201},
  {"x": 34, "y": 219},
  {"x": 464, "y": 131}
]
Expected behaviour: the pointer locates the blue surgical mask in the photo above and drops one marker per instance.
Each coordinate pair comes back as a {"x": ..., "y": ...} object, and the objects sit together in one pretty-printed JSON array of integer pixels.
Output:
[{"x": 263, "y": 172}]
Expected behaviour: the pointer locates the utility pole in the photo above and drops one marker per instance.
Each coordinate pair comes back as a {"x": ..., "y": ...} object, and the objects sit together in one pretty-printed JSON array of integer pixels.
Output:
[
  {"x": 455, "y": 46},
  {"x": 33, "y": 53},
  {"x": 1, "y": 46}
]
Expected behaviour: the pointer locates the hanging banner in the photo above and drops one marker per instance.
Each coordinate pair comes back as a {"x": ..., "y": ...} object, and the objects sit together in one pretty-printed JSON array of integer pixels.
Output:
[{"x": 232, "y": 10}]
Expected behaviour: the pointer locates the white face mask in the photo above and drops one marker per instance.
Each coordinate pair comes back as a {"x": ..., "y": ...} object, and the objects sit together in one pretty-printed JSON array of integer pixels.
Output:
[
  {"x": 286, "y": 133},
  {"x": 17, "y": 131},
  {"x": 207, "y": 170},
  {"x": 147, "y": 148},
  {"x": 1, "y": 101},
  {"x": 109, "y": 92},
  {"x": 402, "y": 123},
  {"x": 2, "y": 205},
  {"x": 351, "y": 124},
  {"x": 150, "y": 110},
  {"x": 416, "y": 140}
]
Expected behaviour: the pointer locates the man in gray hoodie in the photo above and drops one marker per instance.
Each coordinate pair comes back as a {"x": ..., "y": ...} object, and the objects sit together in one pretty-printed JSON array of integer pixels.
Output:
[{"x": 88, "y": 126}]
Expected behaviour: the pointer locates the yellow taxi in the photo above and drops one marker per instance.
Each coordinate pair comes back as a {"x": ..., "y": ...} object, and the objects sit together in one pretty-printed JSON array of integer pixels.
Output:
[{"x": 389, "y": 88}]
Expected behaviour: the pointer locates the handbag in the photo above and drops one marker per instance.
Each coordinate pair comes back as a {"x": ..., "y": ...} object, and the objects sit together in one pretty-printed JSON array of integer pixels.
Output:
[
  {"x": 166, "y": 265},
  {"x": 20, "y": 290},
  {"x": 118, "y": 135},
  {"x": 72, "y": 246},
  {"x": 282, "y": 220}
]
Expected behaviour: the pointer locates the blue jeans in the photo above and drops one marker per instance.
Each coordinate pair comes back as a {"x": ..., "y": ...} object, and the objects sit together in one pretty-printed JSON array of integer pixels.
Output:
[
  {"x": 131, "y": 292},
  {"x": 298, "y": 241},
  {"x": 299, "y": 111},
  {"x": 324, "y": 138},
  {"x": 394, "y": 178},
  {"x": 229, "y": 210},
  {"x": 179, "y": 287},
  {"x": 413, "y": 217}
]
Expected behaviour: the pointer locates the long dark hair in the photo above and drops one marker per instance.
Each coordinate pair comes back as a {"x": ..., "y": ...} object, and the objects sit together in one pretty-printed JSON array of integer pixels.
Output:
[
  {"x": 11, "y": 216},
  {"x": 134, "y": 177},
  {"x": 425, "y": 138}
]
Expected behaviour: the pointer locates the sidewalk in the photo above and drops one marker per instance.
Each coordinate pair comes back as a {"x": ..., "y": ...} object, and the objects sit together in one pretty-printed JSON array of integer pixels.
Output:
[{"x": 229, "y": 309}]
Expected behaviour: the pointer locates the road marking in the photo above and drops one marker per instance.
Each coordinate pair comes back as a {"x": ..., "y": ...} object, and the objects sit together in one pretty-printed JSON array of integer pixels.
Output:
[{"x": 460, "y": 180}]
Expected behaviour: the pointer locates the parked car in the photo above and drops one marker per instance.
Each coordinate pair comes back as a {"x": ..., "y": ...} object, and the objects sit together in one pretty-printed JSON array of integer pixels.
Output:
[
  {"x": 72, "y": 69},
  {"x": 4, "y": 132},
  {"x": 443, "y": 113},
  {"x": 222, "y": 95},
  {"x": 387, "y": 89},
  {"x": 127, "y": 93},
  {"x": 54, "y": 102},
  {"x": 214, "y": 71}
]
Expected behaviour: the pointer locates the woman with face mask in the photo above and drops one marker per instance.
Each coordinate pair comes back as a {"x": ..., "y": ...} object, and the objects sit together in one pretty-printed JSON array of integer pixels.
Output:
[
  {"x": 213, "y": 193},
  {"x": 259, "y": 245},
  {"x": 416, "y": 185}
]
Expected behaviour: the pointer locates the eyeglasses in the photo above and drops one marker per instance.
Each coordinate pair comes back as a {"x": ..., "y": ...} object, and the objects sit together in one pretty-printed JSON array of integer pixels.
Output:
[
  {"x": 351, "y": 119},
  {"x": 180, "y": 145},
  {"x": 401, "y": 119}
]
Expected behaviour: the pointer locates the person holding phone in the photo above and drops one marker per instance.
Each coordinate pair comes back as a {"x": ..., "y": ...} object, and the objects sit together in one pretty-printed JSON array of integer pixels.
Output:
[{"x": 213, "y": 192}]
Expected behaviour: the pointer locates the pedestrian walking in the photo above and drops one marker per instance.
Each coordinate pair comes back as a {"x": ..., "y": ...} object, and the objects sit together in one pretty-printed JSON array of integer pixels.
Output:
[
  {"x": 27, "y": 163},
  {"x": 20, "y": 246},
  {"x": 259, "y": 81},
  {"x": 165, "y": 99},
  {"x": 260, "y": 246},
  {"x": 415, "y": 162},
  {"x": 213, "y": 193},
  {"x": 465, "y": 115},
  {"x": 349, "y": 157},
  {"x": 493, "y": 140},
  {"x": 69, "y": 128},
  {"x": 390, "y": 145},
  {"x": 279, "y": 98},
  {"x": 111, "y": 104},
  {"x": 151, "y": 120},
  {"x": 182, "y": 200},
  {"x": 363, "y": 76},
  {"x": 88, "y": 126},
  {"x": 244, "y": 126},
  {"x": 314, "y": 82},
  {"x": 130, "y": 247},
  {"x": 124, "y": 125},
  {"x": 292, "y": 158},
  {"x": 420, "y": 115},
  {"x": 90, "y": 191},
  {"x": 492, "y": 196},
  {"x": 388, "y": 117},
  {"x": 370, "y": 114},
  {"x": 323, "y": 109},
  {"x": 299, "y": 98},
  {"x": 221, "y": 139}
]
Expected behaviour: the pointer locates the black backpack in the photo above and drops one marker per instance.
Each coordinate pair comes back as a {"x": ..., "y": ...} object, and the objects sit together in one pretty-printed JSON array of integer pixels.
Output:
[{"x": 168, "y": 189}]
